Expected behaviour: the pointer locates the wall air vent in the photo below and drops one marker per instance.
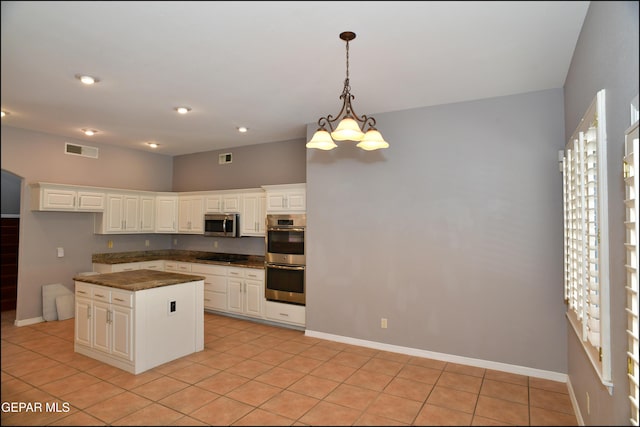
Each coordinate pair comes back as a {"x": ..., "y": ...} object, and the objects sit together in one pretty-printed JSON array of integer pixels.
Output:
[
  {"x": 81, "y": 150},
  {"x": 223, "y": 159}
]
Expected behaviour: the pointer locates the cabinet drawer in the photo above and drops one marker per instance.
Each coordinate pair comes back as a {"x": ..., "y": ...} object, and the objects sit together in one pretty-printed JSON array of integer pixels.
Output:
[
  {"x": 177, "y": 266},
  {"x": 83, "y": 290},
  {"x": 127, "y": 266},
  {"x": 124, "y": 299},
  {"x": 101, "y": 294},
  {"x": 151, "y": 265},
  {"x": 217, "y": 270},
  {"x": 285, "y": 312},
  {"x": 254, "y": 273},
  {"x": 235, "y": 272}
]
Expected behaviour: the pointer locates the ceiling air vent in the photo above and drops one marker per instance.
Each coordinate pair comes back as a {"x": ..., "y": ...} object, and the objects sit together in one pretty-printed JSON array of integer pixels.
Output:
[
  {"x": 223, "y": 159},
  {"x": 81, "y": 150}
]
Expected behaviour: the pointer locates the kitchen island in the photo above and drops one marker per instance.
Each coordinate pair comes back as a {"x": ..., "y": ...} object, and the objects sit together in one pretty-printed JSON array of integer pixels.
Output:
[{"x": 136, "y": 320}]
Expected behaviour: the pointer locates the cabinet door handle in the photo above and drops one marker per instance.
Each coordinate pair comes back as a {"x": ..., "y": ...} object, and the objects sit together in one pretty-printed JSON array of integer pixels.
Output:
[
  {"x": 119, "y": 299},
  {"x": 108, "y": 316},
  {"x": 100, "y": 295},
  {"x": 81, "y": 292},
  {"x": 284, "y": 314},
  {"x": 88, "y": 312}
]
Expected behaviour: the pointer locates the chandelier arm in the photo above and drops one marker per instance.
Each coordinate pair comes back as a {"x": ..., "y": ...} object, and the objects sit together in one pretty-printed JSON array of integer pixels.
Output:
[
  {"x": 323, "y": 122},
  {"x": 364, "y": 119}
]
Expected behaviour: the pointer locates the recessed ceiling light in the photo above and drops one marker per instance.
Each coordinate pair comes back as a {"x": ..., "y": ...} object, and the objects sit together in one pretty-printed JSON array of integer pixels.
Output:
[
  {"x": 242, "y": 129},
  {"x": 183, "y": 110},
  {"x": 89, "y": 132},
  {"x": 152, "y": 144},
  {"x": 88, "y": 80}
]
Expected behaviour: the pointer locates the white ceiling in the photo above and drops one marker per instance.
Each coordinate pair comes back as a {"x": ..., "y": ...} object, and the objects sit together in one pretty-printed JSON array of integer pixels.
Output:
[{"x": 273, "y": 67}]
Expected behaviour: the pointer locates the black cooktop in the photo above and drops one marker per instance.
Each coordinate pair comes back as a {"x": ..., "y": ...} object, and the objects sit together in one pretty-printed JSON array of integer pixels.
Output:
[{"x": 222, "y": 258}]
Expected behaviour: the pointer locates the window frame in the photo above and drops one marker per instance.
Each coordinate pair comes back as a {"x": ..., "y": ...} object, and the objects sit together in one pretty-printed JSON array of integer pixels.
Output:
[
  {"x": 632, "y": 249},
  {"x": 586, "y": 283}
]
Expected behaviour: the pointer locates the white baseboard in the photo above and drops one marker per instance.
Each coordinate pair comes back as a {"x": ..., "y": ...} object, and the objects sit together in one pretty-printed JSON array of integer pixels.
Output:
[
  {"x": 574, "y": 402},
  {"x": 487, "y": 364},
  {"x": 27, "y": 322}
]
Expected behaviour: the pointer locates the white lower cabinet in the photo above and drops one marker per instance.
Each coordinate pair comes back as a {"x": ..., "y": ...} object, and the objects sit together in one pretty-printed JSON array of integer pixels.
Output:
[
  {"x": 215, "y": 285},
  {"x": 104, "y": 320},
  {"x": 287, "y": 313},
  {"x": 137, "y": 331},
  {"x": 245, "y": 291},
  {"x": 236, "y": 290},
  {"x": 83, "y": 318}
]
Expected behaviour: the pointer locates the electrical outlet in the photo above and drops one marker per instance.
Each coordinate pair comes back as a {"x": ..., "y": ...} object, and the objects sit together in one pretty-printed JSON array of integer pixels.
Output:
[
  {"x": 383, "y": 323},
  {"x": 109, "y": 244},
  {"x": 175, "y": 241},
  {"x": 146, "y": 243},
  {"x": 215, "y": 243}
]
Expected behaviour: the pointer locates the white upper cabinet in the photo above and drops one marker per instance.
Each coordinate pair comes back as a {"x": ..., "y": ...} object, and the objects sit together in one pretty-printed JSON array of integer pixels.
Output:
[
  {"x": 190, "y": 215},
  {"x": 121, "y": 214},
  {"x": 286, "y": 198},
  {"x": 58, "y": 197},
  {"x": 167, "y": 214},
  {"x": 130, "y": 212},
  {"x": 147, "y": 214},
  {"x": 252, "y": 217},
  {"x": 222, "y": 202},
  {"x": 127, "y": 213}
]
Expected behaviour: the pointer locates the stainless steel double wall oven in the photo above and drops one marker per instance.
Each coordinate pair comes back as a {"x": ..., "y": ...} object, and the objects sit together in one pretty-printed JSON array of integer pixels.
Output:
[{"x": 285, "y": 260}]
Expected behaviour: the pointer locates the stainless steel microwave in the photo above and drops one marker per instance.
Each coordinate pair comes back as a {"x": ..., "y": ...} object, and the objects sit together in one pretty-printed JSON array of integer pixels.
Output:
[{"x": 222, "y": 225}]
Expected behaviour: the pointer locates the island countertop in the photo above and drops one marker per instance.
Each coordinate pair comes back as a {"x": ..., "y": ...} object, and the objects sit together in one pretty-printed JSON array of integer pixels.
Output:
[{"x": 138, "y": 280}]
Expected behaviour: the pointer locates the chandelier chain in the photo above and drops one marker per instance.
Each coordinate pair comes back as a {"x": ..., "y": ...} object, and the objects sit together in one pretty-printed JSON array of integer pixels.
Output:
[{"x": 347, "y": 87}]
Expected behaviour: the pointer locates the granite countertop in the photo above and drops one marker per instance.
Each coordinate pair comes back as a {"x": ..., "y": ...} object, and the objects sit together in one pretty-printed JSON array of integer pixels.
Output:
[
  {"x": 249, "y": 261},
  {"x": 138, "y": 280}
]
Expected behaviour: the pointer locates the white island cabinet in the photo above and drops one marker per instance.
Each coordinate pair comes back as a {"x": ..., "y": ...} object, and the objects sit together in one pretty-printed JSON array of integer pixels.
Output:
[{"x": 137, "y": 320}]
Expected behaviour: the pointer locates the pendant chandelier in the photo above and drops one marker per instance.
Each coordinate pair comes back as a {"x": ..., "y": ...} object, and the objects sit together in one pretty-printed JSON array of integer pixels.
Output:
[{"x": 351, "y": 126}]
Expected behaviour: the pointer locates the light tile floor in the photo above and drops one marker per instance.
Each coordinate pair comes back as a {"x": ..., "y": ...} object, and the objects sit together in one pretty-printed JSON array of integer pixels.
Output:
[{"x": 255, "y": 374}]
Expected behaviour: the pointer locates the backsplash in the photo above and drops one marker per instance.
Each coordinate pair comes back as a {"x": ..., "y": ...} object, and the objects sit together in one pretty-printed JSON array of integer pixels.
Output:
[{"x": 240, "y": 245}]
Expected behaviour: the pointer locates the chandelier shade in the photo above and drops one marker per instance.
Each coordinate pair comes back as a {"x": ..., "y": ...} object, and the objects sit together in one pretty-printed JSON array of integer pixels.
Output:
[
  {"x": 372, "y": 140},
  {"x": 348, "y": 130},
  {"x": 322, "y": 141},
  {"x": 351, "y": 126}
]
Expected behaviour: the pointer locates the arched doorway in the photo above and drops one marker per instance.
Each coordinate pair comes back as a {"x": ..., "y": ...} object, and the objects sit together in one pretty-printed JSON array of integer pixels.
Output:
[{"x": 10, "y": 229}]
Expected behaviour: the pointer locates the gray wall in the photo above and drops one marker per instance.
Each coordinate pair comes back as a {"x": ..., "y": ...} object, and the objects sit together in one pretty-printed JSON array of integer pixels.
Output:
[
  {"x": 252, "y": 166},
  {"x": 606, "y": 57},
  {"x": 37, "y": 157},
  {"x": 454, "y": 233}
]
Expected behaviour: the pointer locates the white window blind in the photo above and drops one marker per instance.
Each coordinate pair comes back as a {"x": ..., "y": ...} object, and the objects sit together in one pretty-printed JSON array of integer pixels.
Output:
[
  {"x": 631, "y": 263},
  {"x": 586, "y": 254}
]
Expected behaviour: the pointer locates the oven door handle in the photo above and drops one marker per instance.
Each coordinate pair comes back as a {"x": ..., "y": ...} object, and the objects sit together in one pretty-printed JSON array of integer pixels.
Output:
[
  {"x": 285, "y": 229},
  {"x": 285, "y": 267}
]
